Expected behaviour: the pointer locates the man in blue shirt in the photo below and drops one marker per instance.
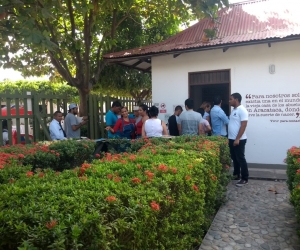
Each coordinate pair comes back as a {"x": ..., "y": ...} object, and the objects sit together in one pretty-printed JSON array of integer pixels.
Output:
[
  {"x": 112, "y": 117},
  {"x": 56, "y": 130},
  {"x": 218, "y": 118}
]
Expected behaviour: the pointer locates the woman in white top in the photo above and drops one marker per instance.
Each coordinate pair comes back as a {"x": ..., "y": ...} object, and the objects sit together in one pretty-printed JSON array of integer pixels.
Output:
[
  {"x": 206, "y": 106},
  {"x": 154, "y": 127},
  {"x": 205, "y": 124}
]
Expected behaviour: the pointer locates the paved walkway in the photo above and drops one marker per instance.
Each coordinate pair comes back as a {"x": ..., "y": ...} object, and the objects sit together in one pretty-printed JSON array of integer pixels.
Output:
[{"x": 256, "y": 216}]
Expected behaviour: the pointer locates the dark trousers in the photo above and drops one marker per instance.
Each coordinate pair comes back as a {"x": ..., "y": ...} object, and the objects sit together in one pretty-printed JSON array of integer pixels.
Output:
[{"x": 239, "y": 161}]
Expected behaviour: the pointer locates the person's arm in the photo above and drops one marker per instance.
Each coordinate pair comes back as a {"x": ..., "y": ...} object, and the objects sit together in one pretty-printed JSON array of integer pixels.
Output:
[
  {"x": 179, "y": 125},
  {"x": 208, "y": 119},
  {"x": 116, "y": 127},
  {"x": 200, "y": 129},
  {"x": 241, "y": 132},
  {"x": 55, "y": 131},
  {"x": 223, "y": 117},
  {"x": 164, "y": 127},
  {"x": 244, "y": 122},
  {"x": 207, "y": 126},
  {"x": 76, "y": 126},
  {"x": 109, "y": 119},
  {"x": 143, "y": 131}
]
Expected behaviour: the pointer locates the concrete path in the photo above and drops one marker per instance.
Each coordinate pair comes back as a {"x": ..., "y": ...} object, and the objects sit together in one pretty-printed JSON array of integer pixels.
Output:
[
  {"x": 266, "y": 174},
  {"x": 256, "y": 216}
]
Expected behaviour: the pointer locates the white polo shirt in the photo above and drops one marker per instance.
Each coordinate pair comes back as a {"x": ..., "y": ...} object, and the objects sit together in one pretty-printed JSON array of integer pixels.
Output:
[{"x": 237, "y": 115}]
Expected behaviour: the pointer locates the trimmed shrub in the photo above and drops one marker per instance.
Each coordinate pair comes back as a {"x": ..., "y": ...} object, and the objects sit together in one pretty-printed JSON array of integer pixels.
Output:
[
  {"x": 72, "y": 153},
  {"x": 293, "y": 181},
  {"x": 162, "y": 197},
  {"x": 58, "y": 155},
  {"x": 293, "y": 164}
]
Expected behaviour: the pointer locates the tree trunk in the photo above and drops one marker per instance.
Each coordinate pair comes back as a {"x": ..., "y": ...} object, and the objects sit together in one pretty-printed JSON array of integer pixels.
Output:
[{"x": 83, "y": 106}]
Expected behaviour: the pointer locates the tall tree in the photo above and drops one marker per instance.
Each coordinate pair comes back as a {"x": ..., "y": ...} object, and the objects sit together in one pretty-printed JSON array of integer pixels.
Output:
[{"x": 69, "y": 36}]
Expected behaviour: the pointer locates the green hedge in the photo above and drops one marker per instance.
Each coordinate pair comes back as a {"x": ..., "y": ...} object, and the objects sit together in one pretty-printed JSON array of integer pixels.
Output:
[
  {"x": 293, "y": 181},
  {"x": 162, "y": 197},
  {"x": 57, "y": 155}
]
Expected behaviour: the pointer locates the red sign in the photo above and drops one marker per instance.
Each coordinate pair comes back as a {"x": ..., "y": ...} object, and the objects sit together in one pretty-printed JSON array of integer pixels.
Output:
[
  {"x": 163, "y": 111},
  {"x": 162, "y": 106}
]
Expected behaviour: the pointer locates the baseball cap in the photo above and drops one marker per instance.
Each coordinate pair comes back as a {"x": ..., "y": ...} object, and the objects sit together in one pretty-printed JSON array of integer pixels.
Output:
[
  {"x": 72, "y": 105},
  {"x": 135, "y": 108}
]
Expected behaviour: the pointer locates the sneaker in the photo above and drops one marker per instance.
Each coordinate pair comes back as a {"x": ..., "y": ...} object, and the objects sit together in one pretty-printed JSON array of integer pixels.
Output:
[
  {"x": 236, "y": 177},
  {"x": 241, "y": 183}
]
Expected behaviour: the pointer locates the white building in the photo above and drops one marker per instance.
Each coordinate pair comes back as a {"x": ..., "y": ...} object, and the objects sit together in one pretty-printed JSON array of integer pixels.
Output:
[{"x": 256, "y": 53}]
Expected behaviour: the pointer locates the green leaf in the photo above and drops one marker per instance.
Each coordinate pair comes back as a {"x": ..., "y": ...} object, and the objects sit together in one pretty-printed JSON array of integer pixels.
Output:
[{"x": 46, "y": 13}]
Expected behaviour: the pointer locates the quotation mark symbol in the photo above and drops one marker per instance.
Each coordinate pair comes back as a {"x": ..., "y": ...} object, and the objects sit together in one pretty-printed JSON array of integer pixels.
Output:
[
  {"x": 248, "y": 96},
  {"x": 297, "y": 115}
]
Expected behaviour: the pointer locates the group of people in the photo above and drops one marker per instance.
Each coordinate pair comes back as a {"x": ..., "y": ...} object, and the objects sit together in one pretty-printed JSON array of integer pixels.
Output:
[
  {"x": 208, "y": 120},
  {"x": 214, "y": 121},
  {"x": 72, "y": 124},
  {"x": 144, "y": 123}
]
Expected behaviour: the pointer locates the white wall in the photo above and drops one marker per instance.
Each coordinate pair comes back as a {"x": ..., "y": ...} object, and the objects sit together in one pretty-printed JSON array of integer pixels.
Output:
[{"x": 267, "y": 141}]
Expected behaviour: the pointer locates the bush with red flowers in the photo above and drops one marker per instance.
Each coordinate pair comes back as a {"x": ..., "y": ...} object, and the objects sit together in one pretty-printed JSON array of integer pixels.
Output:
[
  {"x": 293, "y": 165},
  {"x": 58, "y": 155},
  {"x": 162, "y": 197},
  {"x": 293, "y": 174}
]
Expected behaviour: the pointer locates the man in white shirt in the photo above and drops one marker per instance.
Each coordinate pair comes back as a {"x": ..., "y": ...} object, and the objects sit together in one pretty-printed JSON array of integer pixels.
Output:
[
  {"x": 237, "y": 138},
  {"x": 56, "y": 130}
]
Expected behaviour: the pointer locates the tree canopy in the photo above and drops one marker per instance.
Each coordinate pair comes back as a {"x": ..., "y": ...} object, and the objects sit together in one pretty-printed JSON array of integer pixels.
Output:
[{"x": 69, "y": 37}]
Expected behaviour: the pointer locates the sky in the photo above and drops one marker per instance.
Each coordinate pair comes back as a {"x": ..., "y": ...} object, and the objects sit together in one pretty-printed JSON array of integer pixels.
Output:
[{"x": 15, "y": 75}]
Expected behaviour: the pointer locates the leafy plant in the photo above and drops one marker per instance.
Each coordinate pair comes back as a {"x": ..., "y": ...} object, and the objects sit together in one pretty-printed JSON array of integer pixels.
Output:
[{"x": 161, "y": 197}]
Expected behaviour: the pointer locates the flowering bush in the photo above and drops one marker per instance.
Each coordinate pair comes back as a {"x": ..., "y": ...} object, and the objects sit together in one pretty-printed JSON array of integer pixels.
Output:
[
  {"x": 293, "y": 174},
  {"x": 58, "y": 155},
  {"x": 161, "y": 197},
  {"x": 293, "y": 165}
]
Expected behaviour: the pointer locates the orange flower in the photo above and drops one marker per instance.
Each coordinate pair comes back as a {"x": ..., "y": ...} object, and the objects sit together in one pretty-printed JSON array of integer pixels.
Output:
[
  {"x": 111, "y": 198},
  {"x": 298, "y": 171},
  {"x": 41, "y": 175},
  {"x": 214, "y": 178},
  {"x": 57, "y": 154},
  {"x": 149, "y": 174},
  {"x": 21, "y": 156},
  {"x": 57, "y": 173},
  {"x": 163, "y": 168},
  {"x": 1, "y": 167},
  {"x": 117, "y": 179},
  {"x": 195, "y": 188},
  {"x": 51, "y": 224},
  {"x": 97, "y": 155},
  {"x": 86, "y": 165},
  {"x": 155, "y": 206},
  {"x": 83, "y": 178},
  {"x": 132, "y": 157},
  {"x": 174, "y": 170},
  {"x": 29, "y": 173},
  {"x": 188, "y": 177},
  {"x": 135, "y": 180},
  {"x": 110, "y": 176},
  {"x": 139, "y": 166}
]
